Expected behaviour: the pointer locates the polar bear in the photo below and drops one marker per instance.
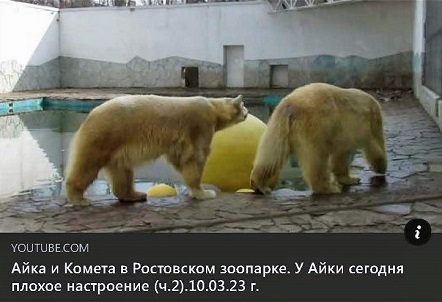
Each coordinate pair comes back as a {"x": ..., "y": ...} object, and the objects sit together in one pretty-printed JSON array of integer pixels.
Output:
[
  {"x": 320, "y": 125},
  {"x": 128, "y": 131}
]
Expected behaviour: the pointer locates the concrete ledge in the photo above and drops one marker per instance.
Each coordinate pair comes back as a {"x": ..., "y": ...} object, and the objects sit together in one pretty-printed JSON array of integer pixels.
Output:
[{"x": 431, "y": 102}]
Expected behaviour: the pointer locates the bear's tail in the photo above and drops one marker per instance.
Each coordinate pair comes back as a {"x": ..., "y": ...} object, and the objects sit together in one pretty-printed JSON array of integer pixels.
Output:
[
  {"x": 377, "y": 124},
  {"x": 274, "y": 147},
  {"x": 70, "y": 163}
]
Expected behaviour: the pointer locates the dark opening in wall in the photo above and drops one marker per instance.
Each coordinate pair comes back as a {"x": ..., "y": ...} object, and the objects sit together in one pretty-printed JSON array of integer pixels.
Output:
[
  {"x": 189, "y": 77},
  {"x": 279, "y": 76}
]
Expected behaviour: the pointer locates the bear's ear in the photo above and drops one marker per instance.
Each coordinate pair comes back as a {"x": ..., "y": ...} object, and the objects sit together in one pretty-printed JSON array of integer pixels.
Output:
[{"x": 237, "y": 100}]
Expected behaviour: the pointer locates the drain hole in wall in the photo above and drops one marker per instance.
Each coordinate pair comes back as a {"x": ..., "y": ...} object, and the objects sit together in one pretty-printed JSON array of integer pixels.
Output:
[{"x": 189, "y": 77}]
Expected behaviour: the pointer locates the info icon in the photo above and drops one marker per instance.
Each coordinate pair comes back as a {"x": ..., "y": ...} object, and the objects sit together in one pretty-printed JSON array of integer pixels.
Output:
[{"x": 417, "y": 231}]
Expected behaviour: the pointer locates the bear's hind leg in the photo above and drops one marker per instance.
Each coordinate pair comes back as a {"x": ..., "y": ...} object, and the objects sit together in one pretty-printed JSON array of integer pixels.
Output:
[
  {"x": 340, "y": 165},
  {"x": 374, "y": 153},
  {"x": 121, "y": 180},
  {"x": 77, "y": 181},
  {"x": 316, "y": 170}
]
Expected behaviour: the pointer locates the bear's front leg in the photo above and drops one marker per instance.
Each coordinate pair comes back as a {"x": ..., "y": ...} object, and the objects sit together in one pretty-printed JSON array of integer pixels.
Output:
[{"x": 192, "y": 174}]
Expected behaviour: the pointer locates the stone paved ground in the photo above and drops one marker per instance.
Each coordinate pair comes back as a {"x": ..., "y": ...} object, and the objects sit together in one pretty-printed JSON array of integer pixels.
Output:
[{"x": 413, "y": 189}]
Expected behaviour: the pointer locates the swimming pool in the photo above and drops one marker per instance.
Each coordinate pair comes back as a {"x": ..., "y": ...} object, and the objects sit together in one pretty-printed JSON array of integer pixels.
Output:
[{"x": 34, "y": 147}]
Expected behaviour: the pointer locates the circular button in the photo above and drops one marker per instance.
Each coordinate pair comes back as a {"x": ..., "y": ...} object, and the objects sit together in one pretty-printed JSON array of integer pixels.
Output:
[{"x": 417, "y": 231}]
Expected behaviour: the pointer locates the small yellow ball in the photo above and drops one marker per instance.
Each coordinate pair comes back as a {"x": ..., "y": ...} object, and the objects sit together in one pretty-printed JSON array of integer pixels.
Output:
[
  {"x": 161, "y": 190},
  {"x": 245, "y": 191}
]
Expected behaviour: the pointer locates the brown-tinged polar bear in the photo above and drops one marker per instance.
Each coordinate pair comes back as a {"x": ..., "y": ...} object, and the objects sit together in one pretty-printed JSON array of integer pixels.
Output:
[
  {"x": 127, "y": 131},
  {"x": 320, "y": 124}
]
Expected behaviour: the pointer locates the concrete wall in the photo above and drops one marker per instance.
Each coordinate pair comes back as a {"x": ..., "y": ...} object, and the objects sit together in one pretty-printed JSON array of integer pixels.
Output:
[
  {"x": 29, "y": 47},
  {"x": 428, "y": 98},
  {"x": 362, "y": 44}
]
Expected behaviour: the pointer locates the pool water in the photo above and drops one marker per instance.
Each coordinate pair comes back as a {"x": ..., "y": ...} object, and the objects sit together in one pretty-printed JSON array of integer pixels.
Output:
[{"x": 34, "y": 148}]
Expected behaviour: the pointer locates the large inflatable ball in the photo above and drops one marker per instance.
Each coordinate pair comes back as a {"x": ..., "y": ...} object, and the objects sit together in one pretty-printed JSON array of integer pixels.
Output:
[{"x": 233, "y": 151}]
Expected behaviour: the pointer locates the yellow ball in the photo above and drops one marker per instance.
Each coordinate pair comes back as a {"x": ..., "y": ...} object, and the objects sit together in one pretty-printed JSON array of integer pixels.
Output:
[
  {"x": 161, "y": 190},
  {"x": 233, "y": 152},
  {"x": 245, "y": 191}
]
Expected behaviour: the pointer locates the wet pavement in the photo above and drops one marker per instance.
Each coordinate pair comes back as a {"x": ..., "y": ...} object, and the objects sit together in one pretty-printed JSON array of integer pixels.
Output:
[{"x": 411, "y": 189}]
